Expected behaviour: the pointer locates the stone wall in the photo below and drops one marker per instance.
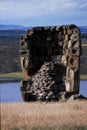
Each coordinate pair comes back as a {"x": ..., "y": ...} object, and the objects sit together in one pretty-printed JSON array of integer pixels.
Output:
[{"x": 50, "y": 58}]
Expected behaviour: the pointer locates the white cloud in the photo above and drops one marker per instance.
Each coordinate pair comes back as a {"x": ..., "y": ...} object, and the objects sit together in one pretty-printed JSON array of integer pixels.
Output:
[{"x": 35, "y": 8}]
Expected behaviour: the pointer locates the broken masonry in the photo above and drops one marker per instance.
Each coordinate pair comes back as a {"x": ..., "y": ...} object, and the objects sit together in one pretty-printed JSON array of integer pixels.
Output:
[{"x": 50, "y": 62}]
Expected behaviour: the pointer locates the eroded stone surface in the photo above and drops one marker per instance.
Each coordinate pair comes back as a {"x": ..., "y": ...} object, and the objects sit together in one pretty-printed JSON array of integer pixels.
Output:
[{"x": 50, "y": 59}]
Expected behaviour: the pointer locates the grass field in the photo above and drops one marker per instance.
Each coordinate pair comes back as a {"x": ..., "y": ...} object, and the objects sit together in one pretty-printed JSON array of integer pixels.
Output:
[
  {"x": 11, "y": 75},
  {"x": 83, "y": 77},
  {"x": 44, "y": 116},
  {"x": 19, "y": 75},
  {"x": 84, "y": 45}
]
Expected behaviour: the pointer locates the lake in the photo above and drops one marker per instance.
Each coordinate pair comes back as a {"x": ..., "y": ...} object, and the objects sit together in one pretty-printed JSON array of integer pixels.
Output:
[{"x": 10, "y": 92}]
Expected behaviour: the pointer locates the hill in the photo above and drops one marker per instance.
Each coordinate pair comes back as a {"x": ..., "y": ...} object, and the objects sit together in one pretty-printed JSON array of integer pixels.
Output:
[
  {"x": 11, "y": 33},
  {"x": 10, "y": 37},
  {"x": 83, "y": 29},
  {"x": 12, "y": 27}
]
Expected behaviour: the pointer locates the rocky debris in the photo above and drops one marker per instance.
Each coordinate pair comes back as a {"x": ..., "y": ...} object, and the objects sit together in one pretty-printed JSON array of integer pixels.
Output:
[
  {"x": 50, "y": 58},
  {"x": 46, "y": 83},
  {"x": 76, "y": 97},
  {"x": 80, "y": 97}
]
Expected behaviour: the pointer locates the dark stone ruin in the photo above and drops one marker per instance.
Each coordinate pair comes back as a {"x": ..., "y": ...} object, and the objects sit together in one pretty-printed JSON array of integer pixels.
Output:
[{"x": 50, "y": 59}]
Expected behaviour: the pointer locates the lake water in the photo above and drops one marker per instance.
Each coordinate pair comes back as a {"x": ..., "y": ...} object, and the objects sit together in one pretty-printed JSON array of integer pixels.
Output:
[{"x": 10, "y": 92}]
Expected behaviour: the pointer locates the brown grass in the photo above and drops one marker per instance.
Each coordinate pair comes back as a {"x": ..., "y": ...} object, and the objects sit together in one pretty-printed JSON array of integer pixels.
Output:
[
  {"x": 26, "y": 116},
  {"x": 84, "y": 45}
]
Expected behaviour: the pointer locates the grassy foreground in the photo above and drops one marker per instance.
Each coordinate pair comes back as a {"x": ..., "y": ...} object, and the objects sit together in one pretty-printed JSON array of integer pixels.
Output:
[{"x": 44, "y": 116}]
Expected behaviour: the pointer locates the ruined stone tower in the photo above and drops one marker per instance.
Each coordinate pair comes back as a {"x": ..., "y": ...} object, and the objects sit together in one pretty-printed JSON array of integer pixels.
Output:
[{"x": 50, "y": 58}]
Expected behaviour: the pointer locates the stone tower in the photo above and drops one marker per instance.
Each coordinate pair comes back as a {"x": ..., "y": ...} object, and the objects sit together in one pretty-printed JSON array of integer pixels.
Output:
[{"x": 50, "y": 62}]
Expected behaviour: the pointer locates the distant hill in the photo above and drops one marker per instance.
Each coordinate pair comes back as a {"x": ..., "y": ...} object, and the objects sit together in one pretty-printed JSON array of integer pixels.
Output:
[
  {"x": 11, "y": 33},
  {"x": 83, "y": 29},
  {"x": 10, "y": 37},
  {"x": 13, "y": 27},
  {"x": 19, "y": 27}
]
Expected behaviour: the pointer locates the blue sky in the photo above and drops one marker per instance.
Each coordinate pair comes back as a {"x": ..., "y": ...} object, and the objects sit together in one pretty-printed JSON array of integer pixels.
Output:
[{"x": 43, "y": 12}]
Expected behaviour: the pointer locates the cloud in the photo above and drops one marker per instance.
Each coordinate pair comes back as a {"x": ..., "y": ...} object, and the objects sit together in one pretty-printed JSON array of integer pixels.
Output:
[
  {"x": 21, "y": 9},
  {"x": 28, "y": 8}
]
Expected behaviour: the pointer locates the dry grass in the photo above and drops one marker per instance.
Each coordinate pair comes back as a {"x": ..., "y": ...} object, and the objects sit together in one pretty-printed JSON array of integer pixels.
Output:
[
  {"x": 84, "y": 45},
  {"x": 11, "y": 75},
  {"x": 19, "y": 75},
  {"x": 83, "y": 77},
  {"x": 35, "y": 116}
]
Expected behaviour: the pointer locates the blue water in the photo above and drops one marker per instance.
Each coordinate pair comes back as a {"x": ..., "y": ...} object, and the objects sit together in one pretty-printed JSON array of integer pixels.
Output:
[
  {"x": 83, "y": 88},
  {"x": 10, "y": 92}
]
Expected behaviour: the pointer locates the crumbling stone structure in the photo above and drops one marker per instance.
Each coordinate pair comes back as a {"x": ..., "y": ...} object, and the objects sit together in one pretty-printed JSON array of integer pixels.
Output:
[{"x": 50, "y": 58}]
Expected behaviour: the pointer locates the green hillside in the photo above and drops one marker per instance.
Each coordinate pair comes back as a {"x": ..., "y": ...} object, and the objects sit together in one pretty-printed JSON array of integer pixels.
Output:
[{"x": 9, "y": 58}]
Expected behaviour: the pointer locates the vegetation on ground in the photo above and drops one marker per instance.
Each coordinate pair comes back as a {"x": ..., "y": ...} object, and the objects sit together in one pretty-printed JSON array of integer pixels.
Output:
[
  {"x": 83, "y": 77},
  {"x": 12, "y": 75},
  {"x": 20, "y": 76},
  {"x": 84, "y": 45},
  {"x": 54, "y": 128},
  {"x": 9, "y": 58},
  {"x": 83, "y": 60},
  {"x": 44, "y": 116}
]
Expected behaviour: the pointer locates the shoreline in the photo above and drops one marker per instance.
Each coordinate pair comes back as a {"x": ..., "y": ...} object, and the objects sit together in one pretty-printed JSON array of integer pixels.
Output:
[
  {"x": 14, "y": 80},
  {"x": 17, "y": 77},
  {"x": 10, "y": 80}
]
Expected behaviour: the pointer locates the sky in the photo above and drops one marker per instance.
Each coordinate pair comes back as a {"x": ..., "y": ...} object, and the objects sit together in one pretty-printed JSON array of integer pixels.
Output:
[{"x": 43, "y": 12}]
